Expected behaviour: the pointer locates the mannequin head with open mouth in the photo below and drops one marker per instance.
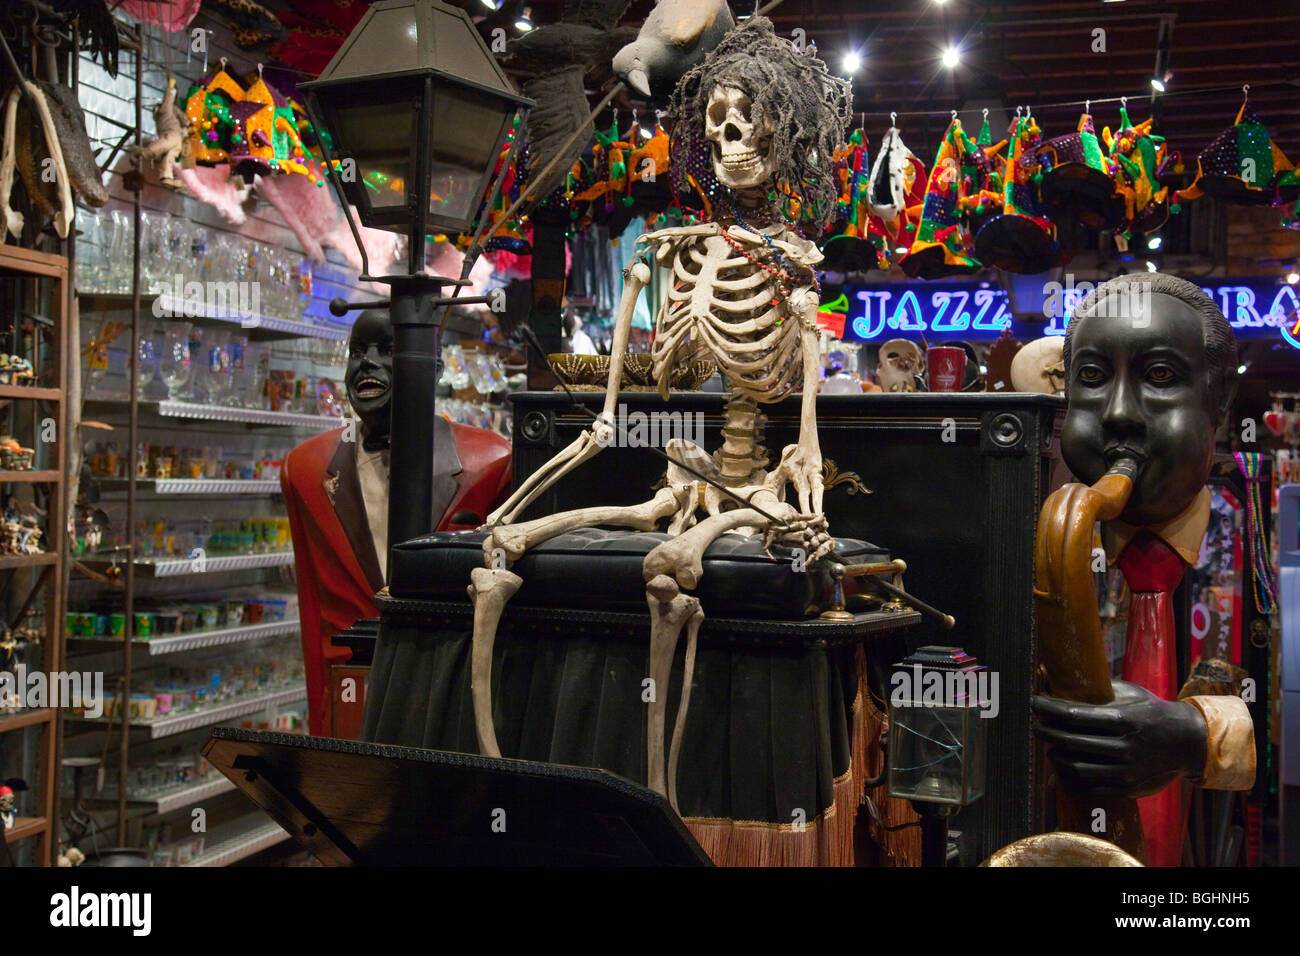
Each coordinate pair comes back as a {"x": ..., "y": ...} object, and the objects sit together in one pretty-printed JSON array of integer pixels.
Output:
[
  {"x": 370, "y": 374},
  {"x": 1151, "y": 367}
]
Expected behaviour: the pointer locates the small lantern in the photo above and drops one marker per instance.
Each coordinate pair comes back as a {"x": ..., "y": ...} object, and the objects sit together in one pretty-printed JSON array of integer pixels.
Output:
[
  {"x": 415, "y": 108},
  {"x": 937, "y": 730}
]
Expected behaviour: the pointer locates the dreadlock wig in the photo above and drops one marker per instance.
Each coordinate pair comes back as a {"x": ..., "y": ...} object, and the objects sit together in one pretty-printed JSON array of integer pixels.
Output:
[{"x": 807, "y": 109}]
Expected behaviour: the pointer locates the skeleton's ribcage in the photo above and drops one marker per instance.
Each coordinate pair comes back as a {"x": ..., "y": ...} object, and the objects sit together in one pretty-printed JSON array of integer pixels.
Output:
[{"x": 722, "y": 306}]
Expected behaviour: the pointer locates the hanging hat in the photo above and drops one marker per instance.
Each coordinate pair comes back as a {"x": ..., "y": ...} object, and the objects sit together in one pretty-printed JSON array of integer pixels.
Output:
[
  {"x": 943, "y": 245},
  {"x": 1023, "y": 238},
  {"x": 1243, "y": 165},
  {"x": 207, "y": 107},
  {"x": 1137, "y": 155},
  {"x": 894, "y": 197},
  {"x": 1076, "y": 179},
  {"x": 849, "y": 249}
]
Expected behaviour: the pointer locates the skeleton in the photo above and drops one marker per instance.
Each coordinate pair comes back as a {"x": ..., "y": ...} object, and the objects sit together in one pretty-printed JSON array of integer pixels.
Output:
[
  {"x": 746, "y": 297},
  {"x": 1040, "y": 367},
  {"x": 900, "y": 364}
]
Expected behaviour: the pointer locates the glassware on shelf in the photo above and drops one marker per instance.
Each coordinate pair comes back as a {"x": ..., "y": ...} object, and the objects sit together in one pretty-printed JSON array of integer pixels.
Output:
[
  {"x": 256, "y": 362},
  {"x": 236, "y": 351},
  {"x": 455, "y": 371},
  {"x": 151, "y": 386},
  {"x": 175, "y": 361}
]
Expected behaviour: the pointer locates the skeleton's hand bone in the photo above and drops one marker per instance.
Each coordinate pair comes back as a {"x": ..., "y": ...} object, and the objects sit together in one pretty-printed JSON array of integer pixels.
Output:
[
  {"x": 583, "y": 448},
  {"x": 808, "y": 532},
  {"x": 801, "y": 465}
]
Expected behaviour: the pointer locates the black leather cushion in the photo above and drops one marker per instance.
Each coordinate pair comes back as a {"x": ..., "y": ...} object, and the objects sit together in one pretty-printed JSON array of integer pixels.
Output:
[{"x": 600, "y": 569}]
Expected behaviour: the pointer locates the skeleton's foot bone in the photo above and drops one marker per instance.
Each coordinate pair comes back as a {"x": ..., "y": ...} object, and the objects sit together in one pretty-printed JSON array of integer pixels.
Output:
[
  {"x": 489, "y": 591},
  {"x": 669, "y": 610}
]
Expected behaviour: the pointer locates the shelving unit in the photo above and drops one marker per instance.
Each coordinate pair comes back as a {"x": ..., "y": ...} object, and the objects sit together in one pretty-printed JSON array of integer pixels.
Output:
[
  {"x": 195, "y": 486},
  {"x": 211, "y": 564},
  {"x": 176, "y": 799},
  {"x": 241, "y": 845},
  {"x": 221, "y": 413},
  {"x": 265, "y": 325},
  {"x": 191, "y": 641},
  {"x": 40, "y": 285},
  {"x": 204, "y": 716}
]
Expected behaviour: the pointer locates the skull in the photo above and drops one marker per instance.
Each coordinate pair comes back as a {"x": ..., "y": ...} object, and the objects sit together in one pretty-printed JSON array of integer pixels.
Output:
[
  {"x": 741, "y": 147},
  {"x": 1040, "y": 367},
  {"x": 900, "y": 363}
]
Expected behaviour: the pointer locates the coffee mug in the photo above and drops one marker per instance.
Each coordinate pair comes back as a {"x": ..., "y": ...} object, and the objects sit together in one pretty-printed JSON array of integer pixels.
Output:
[{"x": 947, "y": 368}]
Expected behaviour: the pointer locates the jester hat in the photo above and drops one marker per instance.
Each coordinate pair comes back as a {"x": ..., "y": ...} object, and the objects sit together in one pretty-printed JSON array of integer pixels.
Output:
[
  {"x": 1022, "y": 239},
  {"x": 1077, "y": 181},
  {"x": 943, "y": 245},
  {"x": 1243, "y": 165}
]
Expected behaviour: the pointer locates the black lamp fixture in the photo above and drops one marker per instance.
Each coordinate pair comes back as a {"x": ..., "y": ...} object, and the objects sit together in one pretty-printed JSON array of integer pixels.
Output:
[{"x": 412, "y": 112}]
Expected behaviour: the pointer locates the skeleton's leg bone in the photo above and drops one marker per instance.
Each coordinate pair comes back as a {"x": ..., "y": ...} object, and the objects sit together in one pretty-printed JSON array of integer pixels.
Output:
[
  {"x": 489, "y": 591},
  {"x": 669, "y": 610},
  {"x": 515, "y": 539},
  {"x": 682, "y": 558},
  {"x": 688, "y": 675}
]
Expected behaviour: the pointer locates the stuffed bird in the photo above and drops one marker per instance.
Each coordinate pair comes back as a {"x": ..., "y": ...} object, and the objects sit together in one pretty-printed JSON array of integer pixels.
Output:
[{"x": 676, "y": 36}]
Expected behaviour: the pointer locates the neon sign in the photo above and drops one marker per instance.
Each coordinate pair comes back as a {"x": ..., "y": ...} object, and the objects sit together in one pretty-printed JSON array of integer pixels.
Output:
[{"x": 1256, "y": 308}]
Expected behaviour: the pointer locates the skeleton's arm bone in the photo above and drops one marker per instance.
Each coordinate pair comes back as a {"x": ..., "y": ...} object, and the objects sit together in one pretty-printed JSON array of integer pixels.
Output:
[
  {"x": 587, "y": 445},
  {"x": 635, "y": 278}
]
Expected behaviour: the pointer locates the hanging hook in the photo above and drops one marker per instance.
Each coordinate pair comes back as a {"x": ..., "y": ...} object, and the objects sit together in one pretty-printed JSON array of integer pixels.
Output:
[
  {"x": 1245, "y": 91},
  {"x": 986, "y": 112},
  {"x": 1123, "y": 101},
  {"x": 954, "y": 114},
  {"x": 259, "y": 71},
  {"x": 893, "y": 119}
]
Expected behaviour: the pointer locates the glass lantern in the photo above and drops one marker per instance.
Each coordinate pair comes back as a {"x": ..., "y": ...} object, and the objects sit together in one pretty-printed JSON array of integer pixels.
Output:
[{"x": 937, "y": 729}]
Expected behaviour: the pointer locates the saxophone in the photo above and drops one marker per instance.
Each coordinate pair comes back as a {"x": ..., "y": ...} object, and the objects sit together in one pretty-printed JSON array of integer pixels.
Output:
[{"x": 1071, "y": 650}]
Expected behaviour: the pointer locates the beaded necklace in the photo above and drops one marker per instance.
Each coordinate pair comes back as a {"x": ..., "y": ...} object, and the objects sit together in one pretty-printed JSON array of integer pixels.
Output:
[{"x": 1265, "y": 589}]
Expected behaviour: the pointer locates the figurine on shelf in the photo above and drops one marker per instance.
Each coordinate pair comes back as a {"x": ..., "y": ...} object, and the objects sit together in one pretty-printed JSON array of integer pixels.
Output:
[
  {"x": 16, "y": 370},
  {"x": 1150, "y": 373},
  {"x": 8, "y": 805},
  {"x": 336, "y": 489}
]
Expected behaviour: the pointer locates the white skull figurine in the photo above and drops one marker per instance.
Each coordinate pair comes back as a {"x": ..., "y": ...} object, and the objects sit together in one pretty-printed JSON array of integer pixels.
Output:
[
  {"x": 741, "y": 149},
  {"x": 898, "y": 365},
  {"x": 1040, "y": 367}
]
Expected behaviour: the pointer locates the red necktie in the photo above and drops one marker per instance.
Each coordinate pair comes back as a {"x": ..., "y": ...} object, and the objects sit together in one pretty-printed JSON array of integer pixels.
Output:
[{"x": 1153, "y": 571}]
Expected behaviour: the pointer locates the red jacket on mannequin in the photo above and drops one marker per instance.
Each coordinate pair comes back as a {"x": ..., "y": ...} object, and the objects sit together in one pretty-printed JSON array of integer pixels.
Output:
[{"x": 335, "y": 556}]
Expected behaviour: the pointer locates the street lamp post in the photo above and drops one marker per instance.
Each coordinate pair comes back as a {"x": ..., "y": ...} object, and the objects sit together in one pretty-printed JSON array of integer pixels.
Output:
[{"x": 411, "y": 113}]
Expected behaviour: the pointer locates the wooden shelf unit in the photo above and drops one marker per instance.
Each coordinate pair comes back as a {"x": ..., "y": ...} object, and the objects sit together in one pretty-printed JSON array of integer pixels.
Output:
[{"x": 20, "y": 265}]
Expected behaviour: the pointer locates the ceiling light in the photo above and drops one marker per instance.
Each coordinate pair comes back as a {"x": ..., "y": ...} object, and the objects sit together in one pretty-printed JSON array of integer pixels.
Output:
[
  {"x": 1292, "y": 277},
  {"x": 490, "y": 4},
  {"x": 525, "y": 21},
  {"x": 1157, "y": 84},
  {"x": 951, "y": 57},
  {"x": 1151, "y": 266},
  {"x": 1241, "y": 369},
  {"x": 852, "y": 62},
  {"x": 1154, "y": 242},
  {"x": 902, "y": 250}
]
